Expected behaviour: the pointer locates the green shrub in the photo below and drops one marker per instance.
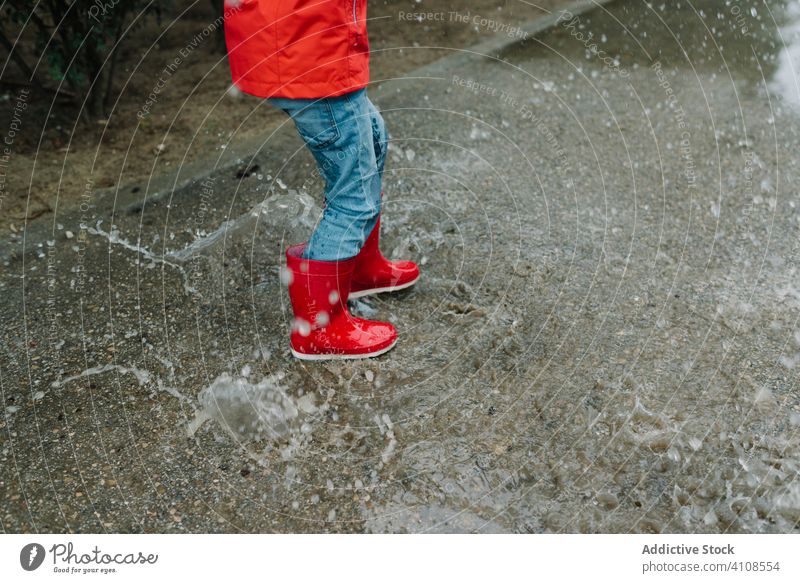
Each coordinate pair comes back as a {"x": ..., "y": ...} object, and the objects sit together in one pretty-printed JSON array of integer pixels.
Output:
[{"x": 77, "y": 42}]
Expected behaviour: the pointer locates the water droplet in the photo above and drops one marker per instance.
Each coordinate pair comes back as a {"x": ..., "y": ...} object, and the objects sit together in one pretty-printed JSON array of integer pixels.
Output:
[
  {"x": 302, "y": 326},
  {"x": 286, "y": 276}
]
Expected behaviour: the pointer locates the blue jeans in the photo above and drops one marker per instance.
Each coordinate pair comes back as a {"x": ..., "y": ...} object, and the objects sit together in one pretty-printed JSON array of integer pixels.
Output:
[{"x": 348, "y": 139}]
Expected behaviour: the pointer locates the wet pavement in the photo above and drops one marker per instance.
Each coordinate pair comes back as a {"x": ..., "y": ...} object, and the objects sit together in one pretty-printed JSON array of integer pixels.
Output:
[{"x": 604, "y": 339}]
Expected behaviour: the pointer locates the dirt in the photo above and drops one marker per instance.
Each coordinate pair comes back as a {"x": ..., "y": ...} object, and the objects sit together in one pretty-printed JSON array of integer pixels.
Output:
[{"x": 57, "y": 155}]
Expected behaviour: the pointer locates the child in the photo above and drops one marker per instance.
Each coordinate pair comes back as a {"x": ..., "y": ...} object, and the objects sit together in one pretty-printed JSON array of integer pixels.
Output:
[{"x": 311, "y": 59}]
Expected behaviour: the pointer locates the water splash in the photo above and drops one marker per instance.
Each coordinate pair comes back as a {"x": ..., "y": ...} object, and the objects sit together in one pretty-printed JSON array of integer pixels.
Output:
[{"x": 250, "y": 412}]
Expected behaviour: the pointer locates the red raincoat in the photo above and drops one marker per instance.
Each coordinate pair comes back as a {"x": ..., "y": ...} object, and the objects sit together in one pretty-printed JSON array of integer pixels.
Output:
[{"x": 298, "y": 49}]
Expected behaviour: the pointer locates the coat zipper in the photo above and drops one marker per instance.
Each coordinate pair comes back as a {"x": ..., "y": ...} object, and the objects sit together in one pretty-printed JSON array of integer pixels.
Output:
[{"x": 355, "y": 18}]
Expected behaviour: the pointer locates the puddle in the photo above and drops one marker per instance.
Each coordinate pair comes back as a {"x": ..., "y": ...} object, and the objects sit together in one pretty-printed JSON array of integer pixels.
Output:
[
  {"x": 604, "y": 337},
  {"x": 751, "y": 40}
]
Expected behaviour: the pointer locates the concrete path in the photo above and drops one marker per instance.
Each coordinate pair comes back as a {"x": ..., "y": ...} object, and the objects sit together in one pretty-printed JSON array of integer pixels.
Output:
[{"x": 605, "y": 337}]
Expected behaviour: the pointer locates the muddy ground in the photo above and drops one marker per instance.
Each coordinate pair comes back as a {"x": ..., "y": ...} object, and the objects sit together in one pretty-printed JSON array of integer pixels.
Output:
[{"x": 604, "y": 338}]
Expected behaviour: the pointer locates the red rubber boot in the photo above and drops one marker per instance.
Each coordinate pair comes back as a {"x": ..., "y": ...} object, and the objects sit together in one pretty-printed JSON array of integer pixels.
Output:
[
  {"x": 323, "y": 328},
  {"x": 374, "y": 274}
]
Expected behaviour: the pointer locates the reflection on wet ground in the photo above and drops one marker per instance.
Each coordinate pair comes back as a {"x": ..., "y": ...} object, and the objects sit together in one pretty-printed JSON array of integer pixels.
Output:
[{"x": 784, "y": 80}]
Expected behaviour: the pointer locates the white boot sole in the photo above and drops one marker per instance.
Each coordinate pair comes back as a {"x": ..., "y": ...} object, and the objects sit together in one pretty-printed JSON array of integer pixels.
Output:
[
  {"x": 380, "y": 290},
  {"x": 303, "y": 356}
]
